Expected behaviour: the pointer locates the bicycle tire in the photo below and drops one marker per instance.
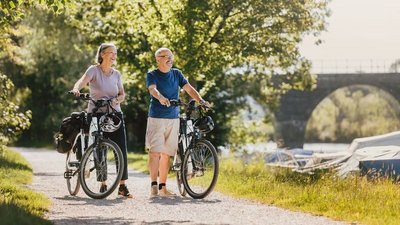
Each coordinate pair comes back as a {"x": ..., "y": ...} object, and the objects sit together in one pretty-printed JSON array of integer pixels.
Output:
[
  {"x": 178, "y": 173},
  {"x": 179, "y": 182},
  {"x": 110, "y": 172},
  {"x": 72, "y": 172},
  {"x": 200, "y": 180}
]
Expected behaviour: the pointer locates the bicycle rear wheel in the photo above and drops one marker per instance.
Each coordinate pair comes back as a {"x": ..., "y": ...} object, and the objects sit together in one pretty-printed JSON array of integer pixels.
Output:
[
  {"x": 101, "y": 165},
  {"x": 200, "y": 168},
  {"x": 72, "y": 172}
]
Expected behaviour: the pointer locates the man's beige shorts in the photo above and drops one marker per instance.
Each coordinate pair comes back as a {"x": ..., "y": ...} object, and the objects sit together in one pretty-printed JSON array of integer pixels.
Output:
[{"x": 162, "y": 135}]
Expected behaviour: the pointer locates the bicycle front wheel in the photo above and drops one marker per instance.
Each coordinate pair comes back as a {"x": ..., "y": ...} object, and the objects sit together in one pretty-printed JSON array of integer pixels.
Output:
[
  {"x": 200, "y": 169},
  {"x": 178, "y": 172},
  {"x": 101, "y": 165},
  {"x": 179, "y": 182},
  {"x": 72, "y": 172}
]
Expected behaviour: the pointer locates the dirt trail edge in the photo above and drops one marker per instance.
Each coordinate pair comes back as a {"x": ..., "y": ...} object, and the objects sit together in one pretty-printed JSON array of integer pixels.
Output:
[{"x": 48, "y": 168}]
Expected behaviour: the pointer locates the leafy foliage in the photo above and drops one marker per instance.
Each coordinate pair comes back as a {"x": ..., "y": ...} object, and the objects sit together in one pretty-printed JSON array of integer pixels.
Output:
[
  {"x": 12, "y": 121},
  {"x": 56, "y": 57},
  {"x": 13, "y": 11},
  {"x": 225, "y": 48}
]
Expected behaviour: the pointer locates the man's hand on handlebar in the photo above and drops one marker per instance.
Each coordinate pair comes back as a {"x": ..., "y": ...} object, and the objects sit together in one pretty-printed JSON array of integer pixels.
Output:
[
  {"x": 205, "y": 104},
  {"x": 164, "y": 101}
]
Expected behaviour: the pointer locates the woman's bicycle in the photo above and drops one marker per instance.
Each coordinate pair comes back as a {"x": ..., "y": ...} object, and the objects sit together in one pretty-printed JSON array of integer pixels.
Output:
[
  {"x": 94, "y": 162},
  {"x": 196, "y": 162}
]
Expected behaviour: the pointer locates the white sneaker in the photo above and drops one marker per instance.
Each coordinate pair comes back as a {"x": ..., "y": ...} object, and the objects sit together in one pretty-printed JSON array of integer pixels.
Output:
[
  {"x": 154, "y": 191},
  {"x": 165, "y": 193}
]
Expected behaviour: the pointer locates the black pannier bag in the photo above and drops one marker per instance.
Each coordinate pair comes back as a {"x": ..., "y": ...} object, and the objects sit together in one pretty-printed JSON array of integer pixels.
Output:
[{"x": 65, "y": 138}]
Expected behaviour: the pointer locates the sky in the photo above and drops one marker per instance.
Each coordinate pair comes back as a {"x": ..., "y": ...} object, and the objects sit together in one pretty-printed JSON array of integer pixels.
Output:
[{"x": 362, "y": 35}]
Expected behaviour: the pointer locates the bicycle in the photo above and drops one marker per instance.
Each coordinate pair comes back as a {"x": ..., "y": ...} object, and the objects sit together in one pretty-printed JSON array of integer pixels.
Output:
[
  {"x": 94, "y": 161},
  {"x": 197, "y": 173}
]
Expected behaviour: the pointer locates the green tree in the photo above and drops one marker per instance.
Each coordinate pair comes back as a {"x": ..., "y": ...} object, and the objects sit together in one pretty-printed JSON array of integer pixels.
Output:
[
  {"x": 13, "y": 11},
  {"x": 56, "y": 56},
  {"x": 225, "y": 47},
  {"x": 12, "y": 121}
]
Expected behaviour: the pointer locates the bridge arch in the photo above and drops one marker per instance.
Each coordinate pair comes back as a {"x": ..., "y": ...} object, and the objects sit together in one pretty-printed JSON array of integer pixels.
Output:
[{"x": 296, "y": 107}]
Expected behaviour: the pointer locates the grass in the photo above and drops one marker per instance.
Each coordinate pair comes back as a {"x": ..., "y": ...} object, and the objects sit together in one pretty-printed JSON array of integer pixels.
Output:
[
  {"x": 354, "y": 199},
  {"x": 138, "y": 161},
  {"x": 18, "y": 204}
]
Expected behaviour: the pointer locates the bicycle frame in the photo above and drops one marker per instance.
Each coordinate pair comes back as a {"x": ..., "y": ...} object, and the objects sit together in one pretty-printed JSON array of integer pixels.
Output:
[
  {"x": 187, "y": 135},
  {"x": 95, "y": 133}
]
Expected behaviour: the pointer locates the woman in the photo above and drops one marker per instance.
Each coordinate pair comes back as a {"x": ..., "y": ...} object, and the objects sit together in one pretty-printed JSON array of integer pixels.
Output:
[{"x": 105, "y": 83}]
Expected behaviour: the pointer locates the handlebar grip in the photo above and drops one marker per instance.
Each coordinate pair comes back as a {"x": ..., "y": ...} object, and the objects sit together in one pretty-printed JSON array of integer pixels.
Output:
[
  {"x": 174, "y": 102},
  {"x": 81, "y": 95}
]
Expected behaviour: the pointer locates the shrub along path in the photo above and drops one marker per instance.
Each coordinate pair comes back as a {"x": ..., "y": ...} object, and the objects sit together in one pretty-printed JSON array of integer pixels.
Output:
[{"x": 48, "y": 169}]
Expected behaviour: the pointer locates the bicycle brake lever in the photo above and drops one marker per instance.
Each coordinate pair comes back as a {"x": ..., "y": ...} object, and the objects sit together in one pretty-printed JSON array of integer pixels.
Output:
[{"x": 174, "y": 102}]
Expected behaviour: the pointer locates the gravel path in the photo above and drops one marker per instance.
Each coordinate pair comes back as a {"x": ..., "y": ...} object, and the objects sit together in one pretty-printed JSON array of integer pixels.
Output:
[{"x": 48, "y": 169}]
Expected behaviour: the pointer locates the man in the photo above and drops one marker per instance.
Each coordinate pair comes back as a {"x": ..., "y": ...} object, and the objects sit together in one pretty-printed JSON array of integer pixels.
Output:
[{"x": 164, "y": 84}]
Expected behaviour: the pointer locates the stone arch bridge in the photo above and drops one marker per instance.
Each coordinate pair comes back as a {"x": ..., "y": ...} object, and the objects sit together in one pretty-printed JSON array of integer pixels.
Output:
[{"x": 297, "y": 106}]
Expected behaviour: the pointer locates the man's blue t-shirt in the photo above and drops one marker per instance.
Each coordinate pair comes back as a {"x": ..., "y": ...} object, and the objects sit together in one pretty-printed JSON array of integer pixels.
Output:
[{"x": 168, "y": 84}]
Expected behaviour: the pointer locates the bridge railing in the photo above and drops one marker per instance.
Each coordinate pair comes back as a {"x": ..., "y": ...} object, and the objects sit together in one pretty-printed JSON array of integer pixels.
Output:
[{"x": 356, "y": 66}]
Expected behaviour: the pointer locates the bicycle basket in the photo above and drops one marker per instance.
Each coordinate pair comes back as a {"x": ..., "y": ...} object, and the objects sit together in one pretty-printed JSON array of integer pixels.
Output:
[
  {"x": 65, "y": 137},
  {"x": 205, "y": 124}
]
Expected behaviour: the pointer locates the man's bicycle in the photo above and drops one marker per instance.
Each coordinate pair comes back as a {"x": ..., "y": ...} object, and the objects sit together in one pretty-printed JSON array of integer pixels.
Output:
[
  {"x": 94, "y": 162},
  {"x": 196, "y": 162}
]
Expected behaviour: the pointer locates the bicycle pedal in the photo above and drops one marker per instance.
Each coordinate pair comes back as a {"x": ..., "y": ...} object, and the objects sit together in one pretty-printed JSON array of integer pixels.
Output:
[
  {"x": 68, "y": 174},
  {"x": 176, "y": 167}
]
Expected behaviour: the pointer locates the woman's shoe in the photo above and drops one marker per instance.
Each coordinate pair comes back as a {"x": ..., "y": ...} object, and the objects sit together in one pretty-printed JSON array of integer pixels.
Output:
[{"x": 123, "y": 191}]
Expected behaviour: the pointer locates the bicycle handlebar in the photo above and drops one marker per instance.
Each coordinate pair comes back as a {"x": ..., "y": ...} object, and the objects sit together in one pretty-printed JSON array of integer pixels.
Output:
[
  {"x": 83, "y": 96},
  {"x": 190, "y": 106},
  {"x": 98, "y": 103}
]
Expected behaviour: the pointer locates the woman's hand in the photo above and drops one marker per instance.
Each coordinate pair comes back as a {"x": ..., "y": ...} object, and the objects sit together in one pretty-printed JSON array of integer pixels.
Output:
[
  {"x": 76, "y": 92},
  {"x": 115, "y": 102}
]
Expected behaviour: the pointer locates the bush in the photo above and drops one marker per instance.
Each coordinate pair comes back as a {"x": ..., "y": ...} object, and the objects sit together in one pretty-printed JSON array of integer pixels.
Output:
[{"x": 12, "y": 122}]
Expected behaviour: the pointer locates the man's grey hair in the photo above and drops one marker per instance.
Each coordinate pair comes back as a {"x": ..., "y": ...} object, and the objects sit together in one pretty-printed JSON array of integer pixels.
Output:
[{"x": 161, "y": 50}]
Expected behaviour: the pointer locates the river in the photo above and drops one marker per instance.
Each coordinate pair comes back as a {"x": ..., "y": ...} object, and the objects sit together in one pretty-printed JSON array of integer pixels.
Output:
[{"x": 316, "y": 147}]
